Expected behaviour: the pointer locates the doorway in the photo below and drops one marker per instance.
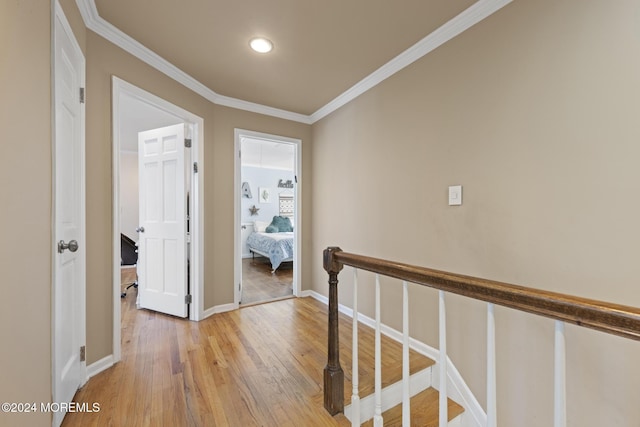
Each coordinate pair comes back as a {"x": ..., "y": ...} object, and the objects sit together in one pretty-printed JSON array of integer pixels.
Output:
[
  {"x": 267, "y": 219},
  {"x": 134, "y": 111}
]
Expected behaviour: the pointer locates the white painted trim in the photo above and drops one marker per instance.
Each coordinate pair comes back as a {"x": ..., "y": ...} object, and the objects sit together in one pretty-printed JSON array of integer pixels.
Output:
[
  {"x": 491, "y": 367},
  {"x": 58, "y": 14},
  {"x": 297, "y": 219},
  {"x": 459, "y": 391},
  {"x": 463, "y": 21},
  {"x": 101, "y": 365},
  {"x": 119, "y": 87},
  {"x": 261, "y": 109},
  {"x": 218, "y": 309},
  {"x": 391, "y": 395},
  {"x": 443, "y": 360},
  {"x": 94, "y": 22},
  {"x": 559, "y": 377}
]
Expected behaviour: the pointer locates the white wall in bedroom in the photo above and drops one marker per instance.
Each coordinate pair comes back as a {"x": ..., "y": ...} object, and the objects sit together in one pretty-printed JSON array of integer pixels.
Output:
[
  {"x": 129, "y": 194},
  {"x": 263, "y": 178}
]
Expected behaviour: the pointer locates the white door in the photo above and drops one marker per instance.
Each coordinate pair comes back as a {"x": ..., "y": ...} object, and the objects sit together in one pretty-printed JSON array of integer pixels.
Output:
[
  {"x": 162, "y": 251},
  {"x": 69, "y": 368}
]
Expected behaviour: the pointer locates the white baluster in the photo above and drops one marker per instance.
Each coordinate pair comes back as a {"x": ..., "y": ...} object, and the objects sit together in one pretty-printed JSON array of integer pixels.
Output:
[
  {"x": 443, "y": 421},
  {"x": 406, "y": 397},
  {"x": 491, "y": 367},
  {"x": 377, "y": 417},
  {"x": 355, "y": 398},
  {"x": 559, "y": 378}
]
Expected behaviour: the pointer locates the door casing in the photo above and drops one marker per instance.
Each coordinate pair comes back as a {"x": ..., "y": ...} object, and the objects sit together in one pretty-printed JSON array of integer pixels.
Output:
[
  {"x": 196, "y": 268},
  {"x": 297, "y": 259}
]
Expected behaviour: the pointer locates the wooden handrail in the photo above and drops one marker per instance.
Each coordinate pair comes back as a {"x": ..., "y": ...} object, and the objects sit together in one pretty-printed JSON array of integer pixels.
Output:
[{"x": 607, "y": 317}]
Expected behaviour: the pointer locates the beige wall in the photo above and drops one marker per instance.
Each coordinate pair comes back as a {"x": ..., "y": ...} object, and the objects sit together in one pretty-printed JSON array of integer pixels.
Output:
[
  {"x": 129, "y": 220},
  {"x": 25, "y": 212},
  {"x": 219, "y": 198},
  {"x": 534, "y": 111},
  {"x": 103, "y": 61}
]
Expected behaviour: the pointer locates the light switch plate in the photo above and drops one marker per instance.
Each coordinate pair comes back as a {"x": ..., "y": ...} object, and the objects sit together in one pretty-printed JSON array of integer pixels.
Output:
[{"x": 455, "y": 195}]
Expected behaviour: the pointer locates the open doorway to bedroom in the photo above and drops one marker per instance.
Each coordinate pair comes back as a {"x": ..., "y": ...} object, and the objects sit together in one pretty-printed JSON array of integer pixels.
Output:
[{"x": 267, "y": 182}]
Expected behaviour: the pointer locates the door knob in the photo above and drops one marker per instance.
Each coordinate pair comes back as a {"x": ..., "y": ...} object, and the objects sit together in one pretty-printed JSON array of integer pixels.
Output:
[
  {"x": 72, "y": 246},
  {"x": 140, "y": 229}
]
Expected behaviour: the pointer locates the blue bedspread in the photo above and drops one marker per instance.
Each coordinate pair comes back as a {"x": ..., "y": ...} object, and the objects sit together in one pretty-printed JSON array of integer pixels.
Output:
[{"x": 277, "y": 246}]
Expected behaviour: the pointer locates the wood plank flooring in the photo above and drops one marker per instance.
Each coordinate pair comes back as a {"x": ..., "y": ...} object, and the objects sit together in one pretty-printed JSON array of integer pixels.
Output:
[
  {"x": 127, "y": 277},
  {"x": 258, "y": 366},
  {"x": 424, "y": 411},
  {"x": 259, "y": 285}
]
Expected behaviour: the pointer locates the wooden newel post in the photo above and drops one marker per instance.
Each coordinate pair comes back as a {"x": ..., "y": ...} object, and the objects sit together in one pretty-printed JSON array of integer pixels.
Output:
[{"x": 333, "y": 374}]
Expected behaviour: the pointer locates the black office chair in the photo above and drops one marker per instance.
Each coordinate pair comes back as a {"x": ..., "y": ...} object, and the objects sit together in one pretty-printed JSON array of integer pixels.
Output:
[{"x": 129, "y": 256}]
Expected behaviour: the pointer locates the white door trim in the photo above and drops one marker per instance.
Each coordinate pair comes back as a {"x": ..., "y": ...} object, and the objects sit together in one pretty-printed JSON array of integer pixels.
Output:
[
  {"x": 297, "y": 237},
  {"x": 121, "y": 87},
  {"x": 58, "y": 15}
]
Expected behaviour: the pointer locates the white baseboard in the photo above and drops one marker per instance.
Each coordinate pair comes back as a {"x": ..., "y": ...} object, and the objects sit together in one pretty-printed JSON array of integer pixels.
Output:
[
  {"x": 218, "y": 309},
  {"x": 459, "y": 391},
  {"x": 96, "y": 367}
]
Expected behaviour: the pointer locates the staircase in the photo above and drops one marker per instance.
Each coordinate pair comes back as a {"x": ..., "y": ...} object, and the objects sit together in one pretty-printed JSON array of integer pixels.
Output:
[
  {"x": 424, "y": 400},
  {"x": 614, "y": 319}
]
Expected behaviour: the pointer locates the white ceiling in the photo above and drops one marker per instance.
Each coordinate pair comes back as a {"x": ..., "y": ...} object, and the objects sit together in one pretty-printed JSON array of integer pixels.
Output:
[
  {"x": 137, "y": 116},
  {"x": 267, "y": 154}
]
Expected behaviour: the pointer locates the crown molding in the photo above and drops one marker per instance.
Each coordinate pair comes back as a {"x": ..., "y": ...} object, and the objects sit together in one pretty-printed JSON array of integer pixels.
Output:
[
  {"x": 95, "y": 23},
  {"x": 262, "y": 109},
  {"x": 466, "y": 19},
  {"x": 463, "y": 21}
]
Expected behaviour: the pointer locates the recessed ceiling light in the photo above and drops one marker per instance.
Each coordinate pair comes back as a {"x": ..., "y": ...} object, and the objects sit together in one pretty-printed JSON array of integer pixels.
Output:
[{"x": 261, "y": 45}]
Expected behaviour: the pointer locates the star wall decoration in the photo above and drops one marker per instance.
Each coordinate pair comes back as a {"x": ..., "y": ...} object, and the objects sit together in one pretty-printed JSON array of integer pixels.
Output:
[{"x": 254, "y": 210}]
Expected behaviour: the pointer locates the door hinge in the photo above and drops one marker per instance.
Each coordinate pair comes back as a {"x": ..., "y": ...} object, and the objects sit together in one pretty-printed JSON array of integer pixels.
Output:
[
  {"x": 187, "y": 142},
  {"x": 83, "y": 353},
  {"x": 81, "y": 95},
  {"x": 187, "y": 299},
  {"x": 195, "y": 167}
]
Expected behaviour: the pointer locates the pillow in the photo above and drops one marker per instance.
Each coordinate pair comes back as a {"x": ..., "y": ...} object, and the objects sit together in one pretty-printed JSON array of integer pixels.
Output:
[
  {"x": 271, "y": 229},
  {"x": 287, "y": 224},
  {"x": 282, "y": 223},
  {"x": 260, "y": 226}
]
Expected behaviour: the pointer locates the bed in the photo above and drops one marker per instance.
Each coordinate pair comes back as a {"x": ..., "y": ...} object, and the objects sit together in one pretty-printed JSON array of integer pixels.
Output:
[
  {"x": 273, "y": 240},
  {"x": 278, "y": 247}
]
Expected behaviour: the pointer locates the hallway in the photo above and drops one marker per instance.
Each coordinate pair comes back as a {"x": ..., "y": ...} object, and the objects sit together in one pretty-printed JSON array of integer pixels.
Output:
[{"x": 261, "y": 365}]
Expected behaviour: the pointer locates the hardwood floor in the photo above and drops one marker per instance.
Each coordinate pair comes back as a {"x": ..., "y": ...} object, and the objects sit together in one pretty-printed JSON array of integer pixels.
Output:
[
  {"x": 258, "y": 366},
  {"x": 127, "y": 277},
  {"x": 259, "y": 285}
]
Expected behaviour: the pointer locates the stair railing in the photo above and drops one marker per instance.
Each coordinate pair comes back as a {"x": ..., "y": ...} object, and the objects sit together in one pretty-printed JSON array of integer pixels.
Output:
[{"x": 606, "y": 317}]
